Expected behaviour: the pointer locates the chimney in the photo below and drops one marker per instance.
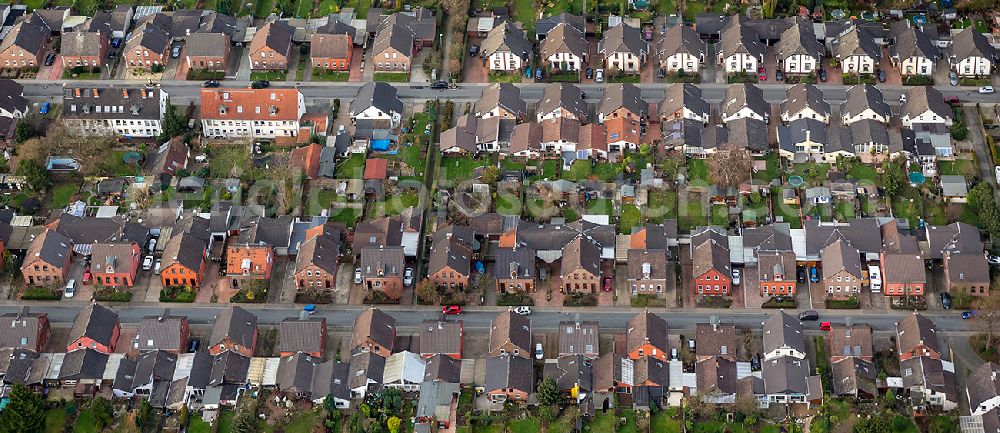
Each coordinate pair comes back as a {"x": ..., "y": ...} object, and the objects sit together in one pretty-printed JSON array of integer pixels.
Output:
[
  {"x": 163, "y": 315},
  {"x": 22, "y": 312},
  {"x": 808, "y": 134}
]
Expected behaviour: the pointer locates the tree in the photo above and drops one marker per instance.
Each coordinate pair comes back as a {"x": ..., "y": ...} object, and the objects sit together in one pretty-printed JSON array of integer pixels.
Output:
[
  {"x": 943, "y": 424},
  {"x": 426, "y": 291},
  {"x": 873, "y": 424},
  {"x": 730, "y": 167},
  {"x": 173, "y": 124},
  {"x": 548, "y": 392},
  {"x": 987, "y": 315},
  {"x": 892, "y": 177},
  {"x": 23, "y": 131},
  {"x": 24, "y": 412},
  {"x": 491, "y": 174},
  {"x": 645, "y": 150},
  {"x": 104, "y": 414},
  {"x": 546, "y": 414},
  {"x": 393, "y": 424},
  {"x": 392, "y": 400},
  {"x": 36, "y": 175}
]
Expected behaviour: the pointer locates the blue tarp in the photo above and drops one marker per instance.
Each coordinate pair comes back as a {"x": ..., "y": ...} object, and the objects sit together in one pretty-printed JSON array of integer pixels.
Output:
[{"x": 380, "y": 145}]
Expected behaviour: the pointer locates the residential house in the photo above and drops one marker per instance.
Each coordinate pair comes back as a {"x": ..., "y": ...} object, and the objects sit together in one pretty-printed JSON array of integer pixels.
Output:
[
  {"x": 235, "y": 330},
  {"x": 871, "y": 140},
  {"x": 798, "y": 51},
  {"x": 925, "y": 104},
  {"x": 959, "y": 246},
  {"x": 506, "y": 49},
  {"x": 805, "y": 101},
  {"x": 294, "y": 375},
  {"x": 316, "y": 263},
  {"x": 902, "y": 262},
  {"x": 930, "y": 382},
  {"x": 441, "y": 338},
  {"x": 649, "y": 372},
  {"x": 543, "y": 26},
  {"x": 776, "y": 273},
  {"x": 711, "y": 270},
  {"x": 251, "y": 113},
  {"x": 864, "y": 101},
  {"x": 378, "y": 102},
  {"x": 624, "y": 49},
  {"x": 450, "y": 260},
  {"x": 622, "y": 101},
  {"x": 390, "y": 231},
  {"x": 501, "y": 100},
  {"x": 912, "y": 51},
  {"x": 23, "y": 329},
  {"x": 854, "y": 377},
  {"x": 680, "y": 49},
  {"x": 163, "y": 162},
  {"x": 164, "y": 332},
  {"x": 84, "y": 49},
  {"x": 404, "y": 370},
  {"x": 579, "y": 338},
  {"x": 562, "y": 100},
  {"x": 805, "y": 139},
  {"x": 24, "y": 45},
  {"x": 745, "y": 100},
  {"x": 972, "y": 54},
  {"x": 302, "y": 335},
  {"x": 13, "y": 106},
  {"x": 564, "y": 49},
  {"x": 510, "y": 334},
  {"x": 842, "y": 275},
  {"x": 124, "y": 111},
  {"x": 954, "y": 188},
  {"x": 789, "y": 379},
  {"x": 983, "y": 390},
  {"x": 520, "y": 261},
  {"x": 509, "y": 378},
  {"x": 526, "y": 140},
  {"x": 115, "y": 264},
  {"x": 95, "y": 328},
  {"x": 851, "y": 341},
  {"x": 382, "y": 270},
  {"x": 442, "y": 368},
  {"x": 857, "y": 51},
  {"x": 684, "y": 101},
  {"x": 573, "y": 375},
  {"x": 366, "y": 373},
  {"x": 271, "y": 47},
  {"x": 741, "y": 50},
  {"x": 207, "y": 52},
  {"x": 647, "y": 271},
  {"x": 647, "y": 336},
  {"x": 716, "y": 379},
  {"x": 916, "y": 337},
  {"x": 249, "y": 262},
  {"x": 436, "y": 406},
  {"x": 184, "y": 260},
  {"x": 47, "y": 261},
  {"x": 374, "y": 332},
  {"x": 581, "y": 267},
  {"x": 84, "y": 367},
  {"x": 715, "y": 340},
  {"x": 783, "y": 337},
  {"x": 331, "y": 51},
  {"x": 400, "y": 36},
  {"x": 146, "y": 47}
]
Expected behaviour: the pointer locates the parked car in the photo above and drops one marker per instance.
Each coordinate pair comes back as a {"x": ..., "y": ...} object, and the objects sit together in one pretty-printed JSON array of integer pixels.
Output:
[
  {"x": 986, "y": 90},
  {"x": 147, "y": 263},
  {"x": 902, "y": 99},
  {"x": 810, "y": 315},
  {"x": 800, "y": 274},
  {"x": 755, "y": 362},
  {"x": 778, "y": 75},
  {"x": 538, "y": 351},
  {"x": 211, "y": 84},
  {"x": 522, "y": 310},
  {"x": 86, "y": 276},
  {"x": 175, "y": 51},
  {"x": 813, "y": 274},
  {"x": 151, "y": 246},
  {"x": 825, "y": 326},
  {"x": 821, "y": 74},
  {"x": 599, "y": 76},
  {"x": 736, "y": 277},
  {"x": 993, "y": 259},
  {"x": 538, "y": 73},
  {"x": 439, "y": 85},
  {"x": 761, "y": 74},
  {"x": 50, "y": 59},
  {"x": 70, "y": 288},
  {"x": 451, "y": 309},
  {"x": 408, "y": 277},
  {"x": 608, "y": 284},
  {"x": 527, "y": 72},
  {"x": 193, "y": 345},
  {"x": 473, "y": 50},
  {"x": 357, "y": 275},
  {"x": 945, "y": 300},
  {"x": 953, "y": 100},
  {"x": 44, "y": 108},
  {"x": 156, "y": 266},
  {"x": 260, "y": 84},
  {"x": 880, "y": 74},
  {"x": 966, "y": 315},
  {"x": 953, "y": 78},
  {"x": 661, "y": 73},
  {"x": 589, "y": 73},
  {"x": 112, "y": 54}
]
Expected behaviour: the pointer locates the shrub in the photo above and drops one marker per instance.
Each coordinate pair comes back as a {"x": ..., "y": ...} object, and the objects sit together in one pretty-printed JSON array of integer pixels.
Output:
[
  {"x": 177, "y": 294},
  {"x": 41, "y": 294},
  {"x": 112, "y": 294}
]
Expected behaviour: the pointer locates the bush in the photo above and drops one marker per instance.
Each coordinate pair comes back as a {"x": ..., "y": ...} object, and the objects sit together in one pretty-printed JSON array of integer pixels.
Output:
[
  {"x": 112, "y": 294},
  {"x": 156, "y": 69},
  {"x": 177, "y": 294},
  {"x": 41, "y": 294},
  {"x": 514, "y": 300},
  {"x": 580, "y": 300},
  {"x": 787, "y": 302},
  {"x": 918, "y": 80},
  {"x": 851, "y": 303},
  {"x": 959, "y": 131}
]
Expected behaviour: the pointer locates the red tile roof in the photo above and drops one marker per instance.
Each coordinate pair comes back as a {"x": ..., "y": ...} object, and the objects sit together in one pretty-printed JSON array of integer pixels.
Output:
[
  {"x": 307, "y": 158},
  {"x": 250, "y": 104},
  {"x": 376, "y": 168}
]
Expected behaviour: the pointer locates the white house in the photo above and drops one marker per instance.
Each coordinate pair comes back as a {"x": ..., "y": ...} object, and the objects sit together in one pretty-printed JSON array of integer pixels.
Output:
[
  {"x": 745, "y": 100},
  {"x": 983, "y": 388},
  {"x": 12, "y": 101},
  {"x": 857, "y": 51},
  {"x": 623, "y": 49},
  {"x": 741, "y": 49},
  {"x": 377, "y": 101},
  {"x": 864, "y": 101},
  {"x": 122, "y": 111},
  {"x": 925, "y": 104},
  {"x": 783, "y": 336},
  {"x": 564, "y": 48},
  {"x": 404, "y": 370},
  {"x": 972, "y": 55},
  {"x": 798, "y": 50},
  {"x": 681, "y": 49},
  {"x": 251, "y": 113},
  {"x": 913, "y": 52},
  {"x": 805, "y": 101},
  {"x": 506, "y": 48}
]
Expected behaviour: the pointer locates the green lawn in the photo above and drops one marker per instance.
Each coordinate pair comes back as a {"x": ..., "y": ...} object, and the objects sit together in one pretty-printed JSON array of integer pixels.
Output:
[
  {"x": 772, "y": 170},
  {"x": 328, "y": 75},
  {"x": 394, "y": 205},
  {"x": 962, "y": 167},
  {"x": 524, "y": 12},
  {"x": 789, "y": 212},
  {"x": 116, "y": 166},
  {"x": 61, "y": 195},
  {"x": 813, "y": 173},
  {"x": 301, "y": 422},
  {"x": 346, "y": 215},
  {"x": 55, "y": 420},
  {"x": 602, "y": 422},
  {"x": 661, "y": 422},
  {"x": 360, "y": 7},
  {"x": 662, "y": 205},
  {"x": 460, "y": 168},
  {"x": 85, "y": 422},
  {"x": 510, "y": 164},
  {"x": 579, "y": 170},
  {"x": 862, "y": 172},
  {"x": 508, "y": 204},
  {"x": 600, "y": 206},
  {"x": 550, "y": 169},
  {"x": 262, "y": 8},
  {"x": 692, "y": 214},
  {"x": 199, "y": 425},
  {"x": 226, "y": 421},
  {"x": 524, "y": 426},
  {"x": 717, "y": 427},
  {"x": 907, "y": 206},
  {"x": 629, "y": 426},
  {"x": 607, "y": 171},
  {"x": 666, "y": 7},
  {"x": 303, "y": 9},
  {"x": 268, "y": 75},
  {"x": 631, "y": 217},
  {"x": 326, "y": 7},
  {"x": 720, "y": 215},
  {"x": 392, "y": 77},
  {"x": 351, "y": 168},
  {"x": 844, "y": 210},
  {"x": 698, "y": 169},
  {"x": 226, "y": 160},
  {"x": 410, "y": 155}
]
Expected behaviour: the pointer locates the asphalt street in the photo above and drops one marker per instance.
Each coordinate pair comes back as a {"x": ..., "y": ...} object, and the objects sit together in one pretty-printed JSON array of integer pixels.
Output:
[
  {"x": 479, "y": 318},
  {"x": 182, "y": 92}
]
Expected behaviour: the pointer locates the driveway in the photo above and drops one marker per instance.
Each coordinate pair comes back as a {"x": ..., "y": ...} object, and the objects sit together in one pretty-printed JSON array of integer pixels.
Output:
[{"x": 975, "y": 124}]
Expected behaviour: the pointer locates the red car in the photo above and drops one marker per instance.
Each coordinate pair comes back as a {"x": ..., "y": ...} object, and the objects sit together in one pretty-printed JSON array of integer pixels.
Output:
[
  {"x": 761, "y": 74},
  {"x": 86, "y": 277},
  {"x": 951, "y": 99},
  {"x": 452, "y": 309},
  {"x": 608, "y": 284},
  {"x": 825, "y": 326}
]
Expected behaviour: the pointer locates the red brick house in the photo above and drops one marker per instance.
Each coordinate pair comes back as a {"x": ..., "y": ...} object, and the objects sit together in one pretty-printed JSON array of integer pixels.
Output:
[
  {"x": 776, "y": 273},
  {"x": 235, "y": 329},
  {"x": 382, "y": 270},
  {"x": 146, "y": 47},
  {"x": 84, "y": 49},
  {"x": 271, "y": 46},
  {"x": 22, "y": 329},
  {"x": 47, "y": 261},
  {"x": 711, "y": 268},
  {"x": 450, "y": 262},
  {"x": 646, "y": 335},
  {"x": 206, "y": 52},
  {"x": 115, "y": 264},
  {"x": 24, "y": 45},
  {"x": 184, "y": 260},
  {"x": 307, "y": 336},
  {"x": 332, "y": 52},
  {"x": 916, "y": 336},
  {"x": 902, "y": 262},
  {"x": 96, "y": 328},
  {"x": 581, "y": 267},
  {"x": 374, "y": 332},
  {"x": 841, "y": 270},
  {"x": 316, "y": 263}
]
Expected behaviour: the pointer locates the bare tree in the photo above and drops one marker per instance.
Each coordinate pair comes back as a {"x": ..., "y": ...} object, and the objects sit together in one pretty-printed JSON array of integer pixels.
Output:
[
  {"x": 730, "y": 166},
  {"x": 987, "y": 315}
]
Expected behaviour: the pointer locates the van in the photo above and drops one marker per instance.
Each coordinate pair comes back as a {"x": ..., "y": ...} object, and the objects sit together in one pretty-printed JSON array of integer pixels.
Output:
[{"x": 874, "y": 279}]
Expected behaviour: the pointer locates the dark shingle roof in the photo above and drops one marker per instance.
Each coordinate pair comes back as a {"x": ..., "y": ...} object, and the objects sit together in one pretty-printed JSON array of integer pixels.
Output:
[
  {"x": 564, "y": 39},
  {"x": 96, "y": 322},
  {"x": 983, "y": 384},
  {"x": 441, "y": 337},
  {"x": 680, "y": 40},
  {"x": 916, "y": 330},
  {"x": 513, "y": 328},
  {"x": 321, "y": 251},
  {"x": 839, "y": 256},
  {"x": 716, "y": 374},
  {"x": 297, "y": 335},
  {"x": 237, "y": 324},
  {"x": 911, "y": 42},
  {"x": 718, "y": 339},
  {"x": 739, "y": 38},
  {"x": 800, "y": 38},
  {"x": 684, "y": 95},
  {"x": 623, "y": 95},
  {"x": 969, "y": 43},
  {"x": 505, "y": 95},
  {"x": 376, "y": 325},
  {"x": 562, "y": 95},
  {"x": 746, "y": 95},
  {"x": 185, "y": 249},
  {"x": 160, "y": 332},
  {"x": 509, "y": 372},
  {"x": 862, "y": 97},
  {"x": 923, "y": 98},
  {"x": 229, "y": 368},
  {"x": 853, "y": 375},
  {"x": 83, "y": 364},
  {"x": 623, "y": 38},
  {"x": 802, "y": 96},
  {"x": 507, "y": 37},
  {"x": 857, "y": 42},
  {"x": 379, "y": 95},
  {"x": 782, "y": 330},
  {"x": 645, "y": 328},
  {"x": 19, "y": 329},
  {"x": 444, "y": 368}
]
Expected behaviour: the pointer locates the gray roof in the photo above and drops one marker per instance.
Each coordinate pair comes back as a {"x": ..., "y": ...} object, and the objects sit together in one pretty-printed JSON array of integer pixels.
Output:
[
  {"x": 297, "y": 335},
  {"x": 746, "y": 95},
  {"x": 857, "y": 42},
  {"x": 275, "y": 232},
  {"x": 509, "y": 372},
  {"x": 12, "y": 96},
  {"x": 204, "y": 44},
  {"x": 566, "y": 96},
  {"x": 739, "y": 38},
  {"x": 870, "y": 131},
  {"x": 201, "y": 370},
  {"x": 955, "y": 238},
  {"x": 570, "y": 371},
  {"x": 913, "y": 42},
  {"x": 862, "y": 97},
  {"x": 518, "y": 261},
  {"x": 544, "y": 25},
  {"x": 321, "y": 251},
  {"x": 185, "y": 249},
  {"x": 840, "y": 256},
  {"x": 507, "y": 37},
  {"x": 954, "y": 186},
  {"x": 716, "y": 375},
  {"x": 229, "y": 368},
  {"x": 579, "y": 338},
  {"x": 970, "y": 43},
  {"x": 645, "y": 328},
  {"x": 800, "y": 38},
  {"x": 651, "y": 369},
  {"x": 923, "y": 98},
  {"x": 125, "y": 376},
  {"x": 81, "y": 43},
  {"x": 786, "y": 375},
  {"x": 436, "y": 397},
  {"x": 623, "y": 38},
  {"x": 684, "y": 95},
  {"x": 237, "y": 324},
  {"x": 276, "y": 35},
  {"x": 916, "y": 330},
  {"x": 444, "y": 368},
  {"x": 623, "y": 95},
  {"x": 295, "y": 373},
  {"x": 781, "y": 330},
  {"x": 748, "y": 132},
  {"x": 513, "y": 328},
  {"x": 581, "y": 254},
  {"x": 564, "y": 39},
  {"x": 148, "y": 37},
  {"x": 19, "y": 329},
  {"x": 160, "y": 332},
  {"x": 376, "y": 325},
  {"x": 335, "y": 383},
  {"x": 802, "y": 96},
  {"x": 154, "y": 366},
  {"x": 930, "y": 374},
  {"x": 504, "y": 95},
  {"x": 861, "y": 233},
  {"x": 441, "y": 337},
  {"x": 853, "y": 376},
  {"x": 680, "y": 40},
  {"x": 119, "y": 103},
  {"x": 379, "y": 95},
  {"x": 799, "y": 130},
  {"x": 366, "y": 367},
  {"x": 382, "y": 262},
  {"x": 83, "y": 364},
  {"x": 27, "y": 34},
  {"x": 95, "y": 322},
  {"x": 983, "y": 384}
]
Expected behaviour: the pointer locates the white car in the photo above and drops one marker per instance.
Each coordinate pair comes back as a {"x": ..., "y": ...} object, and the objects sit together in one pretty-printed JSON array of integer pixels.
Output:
[
  {"x": 70, "y": 288},
  {"x": 522, "y": 310},
  {"x": 993, "y": 259},
  {"x": 599, "y": 76},
  {"x": 986, "y": 90},
  {"x": 902, "y": 98},
  {"x": 156, "y": 266},
  {"x": 736, "y": 277},
  {"x": 147, "y": 263},
  {"x": 408, "y": 277},
  {"x": 538, "y": 351},
  {"x": 357, "y": 275},
  {"x": 996, "y": 171}
]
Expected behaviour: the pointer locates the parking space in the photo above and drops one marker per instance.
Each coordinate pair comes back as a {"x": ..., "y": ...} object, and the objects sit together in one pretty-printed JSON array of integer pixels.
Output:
[
  {"x": 53, "y": 71},
  {"x": 750, "y": 286}
]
